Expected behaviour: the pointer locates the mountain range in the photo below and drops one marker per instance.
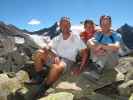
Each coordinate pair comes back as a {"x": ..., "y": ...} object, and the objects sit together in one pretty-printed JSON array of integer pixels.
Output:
[{"x": 125, "y": 30}]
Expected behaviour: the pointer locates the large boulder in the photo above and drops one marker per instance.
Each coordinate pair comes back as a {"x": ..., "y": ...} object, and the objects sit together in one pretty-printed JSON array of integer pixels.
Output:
[
  {"x": 11, "y": 83},
  {"x": 131, "y": 97},
  {"x": 127, "y": 35},
  {"x": 125, "y": 71},
  {"x": 59, "y": 96}
]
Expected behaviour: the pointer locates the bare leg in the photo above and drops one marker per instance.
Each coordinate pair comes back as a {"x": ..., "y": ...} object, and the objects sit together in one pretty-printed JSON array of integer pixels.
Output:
[
  {"x": 39, "y": 58},
  {"x": 53, "y": 76},
  {"x": 55, "y": 73}
]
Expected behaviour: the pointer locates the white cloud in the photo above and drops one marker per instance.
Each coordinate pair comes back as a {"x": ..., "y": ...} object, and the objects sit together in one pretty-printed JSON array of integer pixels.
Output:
[{"x": 34, "y": 22}]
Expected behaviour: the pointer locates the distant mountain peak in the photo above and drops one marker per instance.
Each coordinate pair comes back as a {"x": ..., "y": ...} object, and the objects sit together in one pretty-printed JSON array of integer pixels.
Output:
[
  {"x": 9, "y": 29},
  {"x": 51, "y": 31}
]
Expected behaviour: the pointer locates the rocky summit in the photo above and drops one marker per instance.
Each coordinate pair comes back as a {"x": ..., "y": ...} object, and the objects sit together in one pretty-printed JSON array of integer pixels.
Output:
[{"x": 17, "y": 47}]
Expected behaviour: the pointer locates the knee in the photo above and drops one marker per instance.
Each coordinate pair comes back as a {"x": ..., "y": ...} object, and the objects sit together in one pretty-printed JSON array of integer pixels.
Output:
[
  {"x": 39, "y": 55},
  {"x": 59, "y": 67},
  {"x": 62, "y": 65}
]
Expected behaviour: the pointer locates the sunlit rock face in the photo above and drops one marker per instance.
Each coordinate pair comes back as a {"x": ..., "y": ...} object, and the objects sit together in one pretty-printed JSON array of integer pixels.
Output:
[{"x": 11, "y": 85}]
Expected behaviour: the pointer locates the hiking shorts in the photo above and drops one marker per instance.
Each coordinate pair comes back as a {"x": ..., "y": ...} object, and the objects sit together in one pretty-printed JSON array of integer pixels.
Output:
[{"x": 68, "y": 64}]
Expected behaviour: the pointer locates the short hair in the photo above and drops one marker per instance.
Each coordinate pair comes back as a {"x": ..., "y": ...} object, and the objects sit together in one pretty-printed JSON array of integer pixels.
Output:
[
  {"x": 105, "y": 16},
  {"x": 87, "y": 21},
  {"x": 65, "y": 18}
]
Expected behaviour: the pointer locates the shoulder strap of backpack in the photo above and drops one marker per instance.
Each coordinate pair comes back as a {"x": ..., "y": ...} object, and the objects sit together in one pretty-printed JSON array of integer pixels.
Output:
[
  {"x": 112, "y": 38},
  {"x": 101, "y": 37}
]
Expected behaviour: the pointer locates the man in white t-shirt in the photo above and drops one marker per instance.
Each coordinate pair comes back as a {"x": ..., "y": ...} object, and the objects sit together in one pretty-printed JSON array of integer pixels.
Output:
[{"x": 66, "y": 47}]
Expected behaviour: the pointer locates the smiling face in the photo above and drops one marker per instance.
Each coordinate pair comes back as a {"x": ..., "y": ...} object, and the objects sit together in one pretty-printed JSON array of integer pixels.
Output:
[
  {"x": 65, "y": 26},
  {"x": 105, "y": 23},
  {"x": 89, "y": 28}
]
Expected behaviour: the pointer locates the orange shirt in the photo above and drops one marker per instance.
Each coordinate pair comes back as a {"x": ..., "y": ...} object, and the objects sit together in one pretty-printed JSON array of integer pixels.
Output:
[{"x": 85, "y": 36}]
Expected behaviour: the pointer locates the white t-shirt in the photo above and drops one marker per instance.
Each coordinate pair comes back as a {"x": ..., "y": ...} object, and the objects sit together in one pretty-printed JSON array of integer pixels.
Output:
[{"x": 68, "y": 48}]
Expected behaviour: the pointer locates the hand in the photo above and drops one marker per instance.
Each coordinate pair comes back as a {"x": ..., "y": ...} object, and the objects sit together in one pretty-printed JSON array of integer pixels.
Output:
[
  {"x": 83, "y": 38},
  {"x": 100, "y": 50},
  {"x": 99, "y": 47}
]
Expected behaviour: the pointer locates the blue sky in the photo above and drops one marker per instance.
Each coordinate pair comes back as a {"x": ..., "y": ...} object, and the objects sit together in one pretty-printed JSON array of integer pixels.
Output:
[{"x": 36, "y": 14}]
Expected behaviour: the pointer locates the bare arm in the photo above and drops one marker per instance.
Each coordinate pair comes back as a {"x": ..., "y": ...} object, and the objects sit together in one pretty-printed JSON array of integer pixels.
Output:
[
  {"x": 91, "y": 43},
  {"x": 84, "y": 54},
  {"x": 112, "y": 47}
]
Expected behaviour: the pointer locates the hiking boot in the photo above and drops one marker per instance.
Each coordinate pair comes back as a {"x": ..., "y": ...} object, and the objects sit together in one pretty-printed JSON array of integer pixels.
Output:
[
  {"x": 94, "y": 72},
  {"x": 95, "y": 67},
  {"x": 99, "y": 69},
  {"x": 92, "y": 75},
  {"x": 42, "y": 90},
  {"x": 38, "y": 77}
]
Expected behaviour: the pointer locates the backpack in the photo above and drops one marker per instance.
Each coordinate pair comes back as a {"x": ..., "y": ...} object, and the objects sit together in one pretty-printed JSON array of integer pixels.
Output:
[{"x": 111, "y": 37}]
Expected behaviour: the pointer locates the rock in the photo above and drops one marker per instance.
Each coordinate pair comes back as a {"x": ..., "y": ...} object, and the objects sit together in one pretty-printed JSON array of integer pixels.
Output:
[
  {"x": 125, "y": 65},
  {"x": 126, "y": 88},
  {"x": 11, "y": 85},
  {"x": 11, "y": 57},
  {"x": 124, "y": 50},
  {"x": 22, "y": 76},
  {"x": 125, "y": 73},
  {"x": 50, "y": 32},
  {"x": 125, "y": 69},
  {"x": 69, "y": 86},
  {"x": 129, "y": 75},
  {"x": 16, "y": 49},
  {"x": 59, "y": 96},
  {"x": 10, "y": 30},
  {"x": 91, "y": 75},
  {"x": 109, "y": 89},
  {"x": 84, "y": 85},
  {"x": 7, "y": 43},
  {"x": 97, "y": 97},
  {"x": 3, "y": 98},
  {"x": 39, "y": 41},
  {"x": 79, "y": 86},
  {"x": 127, "y": 35},
  {"x": 120, "y": 76},
  {"x": 131, "y": 97}
]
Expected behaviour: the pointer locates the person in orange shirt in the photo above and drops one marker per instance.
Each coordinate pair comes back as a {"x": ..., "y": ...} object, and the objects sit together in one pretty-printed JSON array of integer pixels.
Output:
[{"x": 89, "y": 27}]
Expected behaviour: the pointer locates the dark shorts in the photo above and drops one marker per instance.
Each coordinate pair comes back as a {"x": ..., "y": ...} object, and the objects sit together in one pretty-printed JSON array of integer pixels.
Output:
[{"x": 67, "y": 63}]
